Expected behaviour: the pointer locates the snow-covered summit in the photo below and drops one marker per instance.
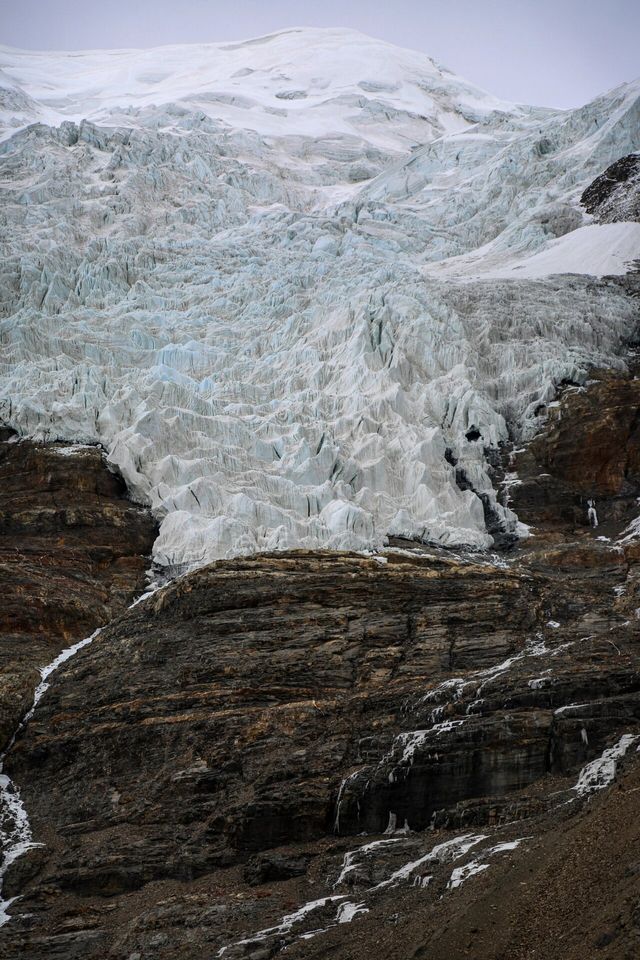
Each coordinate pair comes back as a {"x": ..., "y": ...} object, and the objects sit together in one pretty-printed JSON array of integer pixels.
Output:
[
  {"x": 288, "y": 283},
  {"x": 315, "y": 82}
]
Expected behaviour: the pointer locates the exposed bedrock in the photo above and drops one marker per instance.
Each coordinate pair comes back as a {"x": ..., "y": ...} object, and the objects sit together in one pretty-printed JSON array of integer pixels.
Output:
[
  {"x": 221, "y": 717},
  {"x": 73, "y": 554},
  {"x": 615, "y": 194},
  {"x": 226, "y": 708},
  {"x": 587, "y": 455}
]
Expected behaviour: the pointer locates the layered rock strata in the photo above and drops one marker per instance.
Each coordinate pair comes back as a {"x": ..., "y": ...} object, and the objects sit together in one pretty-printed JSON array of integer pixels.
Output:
[{"x": 73, "y": 554}]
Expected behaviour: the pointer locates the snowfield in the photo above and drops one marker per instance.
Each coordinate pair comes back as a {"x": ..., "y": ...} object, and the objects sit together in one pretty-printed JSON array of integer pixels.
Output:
[
  {"x": 287, "y": 282},
  {"x": 598, "y": 249}
]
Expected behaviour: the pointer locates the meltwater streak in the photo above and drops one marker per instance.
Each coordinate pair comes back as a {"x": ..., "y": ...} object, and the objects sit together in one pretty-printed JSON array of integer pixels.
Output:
[{"x": 15, "y": 830}]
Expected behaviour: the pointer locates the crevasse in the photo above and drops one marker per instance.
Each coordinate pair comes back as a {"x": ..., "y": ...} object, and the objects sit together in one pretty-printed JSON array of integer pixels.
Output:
[{"x": 288, "y": 283}]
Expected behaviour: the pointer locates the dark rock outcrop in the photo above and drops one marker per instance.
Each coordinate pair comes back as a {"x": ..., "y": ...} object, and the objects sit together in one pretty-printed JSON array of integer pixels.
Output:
[
  {"x": 254, "y": 686},
  {"x": 588, "y": 452},
  {"x": 615, "y": 194},
  {"x": 73, "y": 554}
]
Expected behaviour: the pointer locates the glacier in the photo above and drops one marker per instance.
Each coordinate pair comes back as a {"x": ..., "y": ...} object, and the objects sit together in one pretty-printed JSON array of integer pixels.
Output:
[{"x": 288, "y": 283}]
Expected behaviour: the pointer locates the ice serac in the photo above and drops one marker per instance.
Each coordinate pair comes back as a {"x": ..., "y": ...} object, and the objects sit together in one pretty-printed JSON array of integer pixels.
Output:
[{"x": 294, "y": 285}]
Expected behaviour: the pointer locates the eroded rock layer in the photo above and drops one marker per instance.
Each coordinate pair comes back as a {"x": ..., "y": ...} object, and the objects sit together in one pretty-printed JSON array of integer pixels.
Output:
[{"x": 73, "y": 554}]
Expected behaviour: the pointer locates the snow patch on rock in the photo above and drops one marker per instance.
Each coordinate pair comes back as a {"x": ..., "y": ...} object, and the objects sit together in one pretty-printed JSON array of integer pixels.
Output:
[{"x": 602, "y": 771}]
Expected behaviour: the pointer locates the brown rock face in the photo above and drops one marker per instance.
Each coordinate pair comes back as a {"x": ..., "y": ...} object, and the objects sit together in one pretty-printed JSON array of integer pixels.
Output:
[
  {"x": 590, "y": 450},
  {"x": 272, "y": 703},
  {"x": 340, "y": 754},
  {"x": 256, "y": 685},
  {"x": 73, "y": 554}
]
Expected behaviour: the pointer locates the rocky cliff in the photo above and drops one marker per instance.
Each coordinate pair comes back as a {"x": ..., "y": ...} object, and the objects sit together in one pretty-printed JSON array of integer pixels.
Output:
[
  {"x": 615, "y": 194},
  {"x": 334, "y": 754},
  {"x": 73, "y": 554}
]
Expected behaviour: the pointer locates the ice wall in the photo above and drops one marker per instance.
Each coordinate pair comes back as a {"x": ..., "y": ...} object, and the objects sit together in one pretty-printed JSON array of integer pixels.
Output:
[{"x": 279, "y": 280}]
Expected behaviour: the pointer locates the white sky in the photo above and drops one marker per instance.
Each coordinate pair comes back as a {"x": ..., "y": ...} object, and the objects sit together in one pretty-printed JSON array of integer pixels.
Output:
[{"x": 554, "y": 52}]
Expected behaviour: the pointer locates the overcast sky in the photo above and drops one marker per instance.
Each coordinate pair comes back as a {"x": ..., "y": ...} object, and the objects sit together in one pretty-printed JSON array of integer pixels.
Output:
[{"x": 550, "y": 52}]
